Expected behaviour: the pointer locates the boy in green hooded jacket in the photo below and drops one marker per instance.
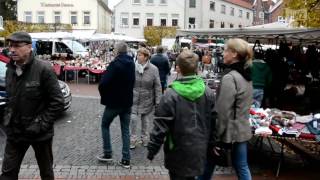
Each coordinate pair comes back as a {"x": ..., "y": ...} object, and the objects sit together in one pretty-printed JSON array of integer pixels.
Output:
[{"x": 184, "y": 121}]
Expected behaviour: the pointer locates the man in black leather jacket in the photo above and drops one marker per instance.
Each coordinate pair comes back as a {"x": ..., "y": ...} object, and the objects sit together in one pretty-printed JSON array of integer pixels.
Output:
[{"x": 35, "y": 100}]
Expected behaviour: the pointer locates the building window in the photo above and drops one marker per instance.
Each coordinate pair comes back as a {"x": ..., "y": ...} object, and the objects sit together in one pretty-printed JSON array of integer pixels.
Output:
[
  {"x": 232, "y": 11},
  {"x": 211, "y": 25},
  {"x": 57, "y": 17},
  {"x": 212, "y": 6},
  {"x": 86, "y": 18},
  {"x": 223, "y": 9},
  {"x": 74, "y": 17},
  {"x": 28, "y": 16},
  {"x": 222, "y": 24},
  {"x": 192, "y": 3},
  {"x": 40, "y": 16},
  {"x": 150, "y": 1},
  {"x": 149, "y": 19},
  {"x": 136, "y": 1},
  {"x": 175, "y": 18},
  {"x": 163, "y": 2},
  {"x": 240, "y": 13},
  {"x": 163, "y": 22},
  {"x": 174, "y": 22},
  {"x": 240, "y": 26},
  {"x": 163, "y": 19},
  {"x": 124, "y": 19},
  {"x": 135, "y": 19},
  {"x": 231, "y": 25},
  {"x": 192, "y": 23},
  {"x": 248, "y": 15}
]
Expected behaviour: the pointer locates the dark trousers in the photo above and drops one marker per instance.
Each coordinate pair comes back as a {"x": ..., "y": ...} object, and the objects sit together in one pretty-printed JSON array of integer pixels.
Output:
[
  {"x": 14, "y": 154},
  {"x": 177, "y": 177}
]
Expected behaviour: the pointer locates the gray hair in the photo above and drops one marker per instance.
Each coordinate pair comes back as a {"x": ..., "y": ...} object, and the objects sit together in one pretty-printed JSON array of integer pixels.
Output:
[{"x": 121, "y": 47}]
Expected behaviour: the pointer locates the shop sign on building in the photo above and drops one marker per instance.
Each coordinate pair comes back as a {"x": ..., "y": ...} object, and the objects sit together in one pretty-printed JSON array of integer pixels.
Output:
[{"x": 56, "y": 4}]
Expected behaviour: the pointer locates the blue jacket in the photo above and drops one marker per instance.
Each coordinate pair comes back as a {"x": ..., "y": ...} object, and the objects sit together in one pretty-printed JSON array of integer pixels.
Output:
[
  {"x": 116, "y": 86},
  {"x": 162, "y": 63}
]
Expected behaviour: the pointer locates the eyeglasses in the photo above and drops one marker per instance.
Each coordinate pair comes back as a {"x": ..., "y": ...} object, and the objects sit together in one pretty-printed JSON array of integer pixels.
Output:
[{"x": 17, "y": 45}]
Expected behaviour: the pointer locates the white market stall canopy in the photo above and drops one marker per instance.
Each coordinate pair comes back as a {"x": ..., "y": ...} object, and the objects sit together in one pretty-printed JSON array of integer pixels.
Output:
[
  {"x": 105, "y": 37},
  {"x": 252, "y": 34},
  {"x": 83, "y": 36},
  {"x": 51, "y": 35}
]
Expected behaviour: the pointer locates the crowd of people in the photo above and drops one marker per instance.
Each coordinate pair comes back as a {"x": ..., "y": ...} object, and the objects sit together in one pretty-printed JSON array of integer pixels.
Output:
[
  {"x": 184, "y": 113},
  {"x": 193, "y": 123}
]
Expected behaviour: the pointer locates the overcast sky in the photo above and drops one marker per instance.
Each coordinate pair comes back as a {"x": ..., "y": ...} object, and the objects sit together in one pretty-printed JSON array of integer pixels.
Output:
[{"x": 112, "y": 3}]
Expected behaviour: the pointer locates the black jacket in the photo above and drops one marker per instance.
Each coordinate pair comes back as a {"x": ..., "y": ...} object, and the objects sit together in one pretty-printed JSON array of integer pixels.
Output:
[
  {"x": 162, "y": 63},
  {"x": 35, "y": 101},
  {"x": 116, "y": 85},
  {"x": 186, "y": 129}
]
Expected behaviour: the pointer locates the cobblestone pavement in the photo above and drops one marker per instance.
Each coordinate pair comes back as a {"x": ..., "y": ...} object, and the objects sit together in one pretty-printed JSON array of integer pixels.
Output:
[{"x": 78, "y": 141}]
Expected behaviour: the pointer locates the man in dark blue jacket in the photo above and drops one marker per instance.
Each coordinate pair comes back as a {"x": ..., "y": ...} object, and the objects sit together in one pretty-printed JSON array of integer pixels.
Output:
[
  {"x": 162, "y": 63},
  {"x": 116, "y": 91}
]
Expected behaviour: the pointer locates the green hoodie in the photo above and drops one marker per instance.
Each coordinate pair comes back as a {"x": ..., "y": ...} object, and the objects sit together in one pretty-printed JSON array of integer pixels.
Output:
[{"x": 189, "y": 87}]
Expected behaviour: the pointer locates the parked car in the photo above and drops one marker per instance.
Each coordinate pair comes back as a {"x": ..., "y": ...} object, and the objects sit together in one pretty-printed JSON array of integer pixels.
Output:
[{"x": 3, "y": 95}]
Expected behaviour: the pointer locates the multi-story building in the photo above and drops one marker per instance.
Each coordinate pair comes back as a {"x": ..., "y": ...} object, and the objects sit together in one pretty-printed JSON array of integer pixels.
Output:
[
  {"x": 268, "y": 11},
  {"x": 81, "y": 14},
  {"x": 261, "y": 11},
  {"x": 204, "y": 14},
  {"x": 131, "y": 16},
  {"x": 276, "y": 12}
]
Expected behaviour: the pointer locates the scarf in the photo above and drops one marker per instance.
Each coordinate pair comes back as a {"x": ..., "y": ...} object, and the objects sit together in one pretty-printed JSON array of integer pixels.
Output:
[
  {"x": 240, "y": 67},
  {"x": 140, "y": 67}
]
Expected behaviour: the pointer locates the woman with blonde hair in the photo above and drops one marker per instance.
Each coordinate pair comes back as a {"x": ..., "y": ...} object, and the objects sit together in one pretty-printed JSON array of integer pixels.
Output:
[
  {"x": 234, "y": 99},
  {"x": 146, "y": 95}
]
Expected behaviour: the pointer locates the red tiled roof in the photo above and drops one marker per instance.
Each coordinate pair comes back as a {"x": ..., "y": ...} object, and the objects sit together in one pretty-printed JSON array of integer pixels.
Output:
[{"x": 241, "y": 3}]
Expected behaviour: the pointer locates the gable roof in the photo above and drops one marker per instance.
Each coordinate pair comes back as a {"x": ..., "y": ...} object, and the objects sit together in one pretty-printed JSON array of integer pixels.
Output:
[{"x": 241, "y": 3}]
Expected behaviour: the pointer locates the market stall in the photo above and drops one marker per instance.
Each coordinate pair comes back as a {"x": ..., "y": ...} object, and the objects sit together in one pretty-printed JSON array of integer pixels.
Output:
[{"x": 295, "y": 64}]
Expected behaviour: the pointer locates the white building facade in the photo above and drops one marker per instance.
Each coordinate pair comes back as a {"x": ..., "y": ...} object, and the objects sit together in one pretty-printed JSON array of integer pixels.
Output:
[
  {"x": 205, "y": 14},
  {"x": 131, "y": 16},
  {"x": 81, "y": 14}
]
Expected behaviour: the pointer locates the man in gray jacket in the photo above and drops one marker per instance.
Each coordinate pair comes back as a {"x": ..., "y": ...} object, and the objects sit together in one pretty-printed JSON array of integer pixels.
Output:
[{"x": 184, "y": 121}]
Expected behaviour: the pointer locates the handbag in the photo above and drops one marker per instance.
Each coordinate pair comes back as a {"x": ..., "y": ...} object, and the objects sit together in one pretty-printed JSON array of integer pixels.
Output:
[
  {"x": 224, "y": 159},
  {"x": 224, "y": 150}
]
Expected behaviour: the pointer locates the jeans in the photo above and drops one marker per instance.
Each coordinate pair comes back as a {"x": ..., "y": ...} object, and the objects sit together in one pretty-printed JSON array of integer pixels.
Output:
[
  {"x": 108, "y": 116},
  {"x": 15, "y": 152},
  {"x": 257, "y": 97},
  {"x": 239, "y": 161}
]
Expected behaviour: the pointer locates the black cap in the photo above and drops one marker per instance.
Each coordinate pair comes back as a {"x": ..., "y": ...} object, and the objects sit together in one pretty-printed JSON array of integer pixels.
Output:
[{"x": 20, "y": 37}]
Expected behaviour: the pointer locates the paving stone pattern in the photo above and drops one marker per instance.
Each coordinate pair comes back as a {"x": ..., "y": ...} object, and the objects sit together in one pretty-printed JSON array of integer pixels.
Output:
[{"x": 78, "y": 141}]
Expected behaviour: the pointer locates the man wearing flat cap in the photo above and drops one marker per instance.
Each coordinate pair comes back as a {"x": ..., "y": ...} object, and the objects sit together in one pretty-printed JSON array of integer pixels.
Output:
[{"x": 35, "y": 100}]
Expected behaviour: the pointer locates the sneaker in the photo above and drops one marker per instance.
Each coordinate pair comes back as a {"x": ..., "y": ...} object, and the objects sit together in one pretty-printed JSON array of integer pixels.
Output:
[
  {"x": 124, "y": 163},
  {"x": 133, "y": 144},
  {"x": 105, "y": 158}
]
